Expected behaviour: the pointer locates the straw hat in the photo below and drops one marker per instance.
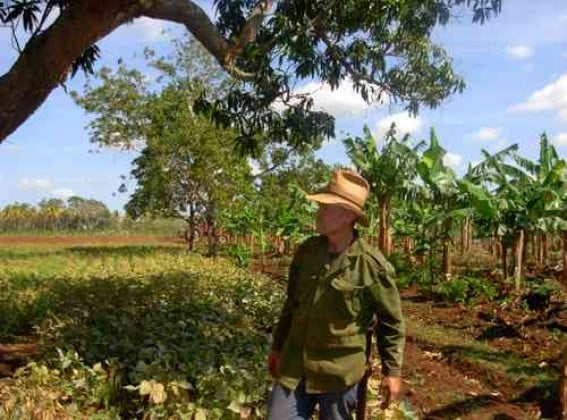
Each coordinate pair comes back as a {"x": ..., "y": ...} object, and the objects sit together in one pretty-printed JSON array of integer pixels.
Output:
[{"x": 346, "y": 189}]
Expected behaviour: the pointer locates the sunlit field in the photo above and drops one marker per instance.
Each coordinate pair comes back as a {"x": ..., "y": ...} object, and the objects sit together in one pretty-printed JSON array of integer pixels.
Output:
[{"x": 134, "y": 331}]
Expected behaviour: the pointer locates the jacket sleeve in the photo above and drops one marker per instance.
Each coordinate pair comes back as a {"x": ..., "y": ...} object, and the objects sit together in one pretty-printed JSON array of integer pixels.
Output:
[
  {"x": 390, "y": 328},
  {"x": 284, "y": 323}
]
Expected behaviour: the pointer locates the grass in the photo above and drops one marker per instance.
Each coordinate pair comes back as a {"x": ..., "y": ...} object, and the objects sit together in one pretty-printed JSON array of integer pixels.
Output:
[{"x": 135, "y": 331}]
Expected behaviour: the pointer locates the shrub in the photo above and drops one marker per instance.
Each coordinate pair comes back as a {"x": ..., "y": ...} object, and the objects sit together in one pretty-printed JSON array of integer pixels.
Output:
[
  {"x": 241, "y": 255},
  {"x": 466, "y": 290}
]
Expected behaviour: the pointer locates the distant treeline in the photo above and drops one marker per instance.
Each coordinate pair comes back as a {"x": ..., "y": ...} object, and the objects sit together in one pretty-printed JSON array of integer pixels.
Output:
[{"x": 77, "y": 214}]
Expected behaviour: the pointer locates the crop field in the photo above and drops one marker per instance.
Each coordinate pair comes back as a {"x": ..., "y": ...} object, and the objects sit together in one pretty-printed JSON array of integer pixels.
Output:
[
  {"x": 118, "y": 329},
  {"x": 126, "y": 330}
]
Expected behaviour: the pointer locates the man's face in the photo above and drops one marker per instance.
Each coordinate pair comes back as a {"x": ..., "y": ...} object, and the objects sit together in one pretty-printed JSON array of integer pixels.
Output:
[{"x": 332, "y": 218}]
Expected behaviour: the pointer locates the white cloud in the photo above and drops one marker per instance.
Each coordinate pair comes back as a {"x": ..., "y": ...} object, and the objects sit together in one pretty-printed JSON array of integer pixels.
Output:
[
  {"x": 551, "y": 97},
  {"x": 340, "y": 102},
  {"x": 520, "y": 52},
  {"x": 38, "y": 184},
  {"x": 453, "y": 160},
  {"x": 487, "y": 133},
  {"x": 63, "y": 193},
  {"x": 560, "y": 139},
  {"x": 404, "y": 124}
]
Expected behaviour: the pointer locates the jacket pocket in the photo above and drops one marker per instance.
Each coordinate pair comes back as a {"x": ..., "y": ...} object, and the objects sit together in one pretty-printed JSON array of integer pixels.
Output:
[{"x": 346, "y": 296}]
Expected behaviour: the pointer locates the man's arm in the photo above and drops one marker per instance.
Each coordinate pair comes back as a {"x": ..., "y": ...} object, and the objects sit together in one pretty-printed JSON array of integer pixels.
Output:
[
  {"x": 284, "y": 323},
  {"x": 390, "y": 327}
]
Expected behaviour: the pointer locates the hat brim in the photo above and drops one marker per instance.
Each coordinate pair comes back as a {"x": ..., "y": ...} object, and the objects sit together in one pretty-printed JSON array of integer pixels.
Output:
[{"x": 330, "y": 198}]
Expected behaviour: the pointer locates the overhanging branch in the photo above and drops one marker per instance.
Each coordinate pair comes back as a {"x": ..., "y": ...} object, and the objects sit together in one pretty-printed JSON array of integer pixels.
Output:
[{"x": 194, "y": 18}]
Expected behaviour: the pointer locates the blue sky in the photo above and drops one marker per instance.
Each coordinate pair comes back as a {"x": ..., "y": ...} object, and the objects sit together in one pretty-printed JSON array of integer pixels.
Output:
[{"x": 515, "y": 67}]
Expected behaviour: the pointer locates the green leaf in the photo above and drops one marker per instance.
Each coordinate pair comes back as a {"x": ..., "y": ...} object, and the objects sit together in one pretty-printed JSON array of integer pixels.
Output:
[
  {"x": 234, "y": 406},
  {"x": 200, "y": 415}
]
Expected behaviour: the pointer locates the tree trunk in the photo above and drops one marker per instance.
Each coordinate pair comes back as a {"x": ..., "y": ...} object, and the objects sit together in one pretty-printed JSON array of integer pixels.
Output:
[
  {"x": 519, "y": 259},
  {"x": 212, "y": 234},
  {"x": 504, "y": 255},
  {"x": 407, "y": 246},
  {"x": 544, "y": 249},
  {"x": 447, "y": 243},
  {"x": 190, "y": 238},
  {"x": 464, "y": 239},
  {"x": 494, "y": 254},
  {"x": 384, "y": 227},
  {"x": 46, "y": 59},
  {"x": 447, "y": 258},
  {"x": 536, "y": 252},
  {"x": 470, "y": 235}
]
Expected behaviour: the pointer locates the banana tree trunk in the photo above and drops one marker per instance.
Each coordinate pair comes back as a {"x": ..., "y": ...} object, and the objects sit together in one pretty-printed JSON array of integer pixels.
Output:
[
  {"x": 447, "y": 258},
  {"x": 464, "y": 233},
  {"x": 384, "y": 242},
  {"x": 504, "y": 256},
  {"x": 493, "y": 248},
  {"x": 470, "y": 235},
  {"x": 544, "y": 249},
  {"x": 537, "y": 249},
  {"x": 519, "y": 259}
]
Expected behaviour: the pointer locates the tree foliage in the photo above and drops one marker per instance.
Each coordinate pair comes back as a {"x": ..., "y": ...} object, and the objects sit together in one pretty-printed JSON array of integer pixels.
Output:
[
  {"x": 187, "y": 166},
  {"x": 54, "y": 214},
  {"x": 383, "y": 48}
]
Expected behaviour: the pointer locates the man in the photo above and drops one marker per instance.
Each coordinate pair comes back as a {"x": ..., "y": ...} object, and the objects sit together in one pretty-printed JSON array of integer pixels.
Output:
[{"x": 337, "y": 284}]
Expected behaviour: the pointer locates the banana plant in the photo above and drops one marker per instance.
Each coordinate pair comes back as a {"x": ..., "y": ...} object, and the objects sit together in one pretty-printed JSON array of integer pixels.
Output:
[
  {"x": 294, "y": 222},
  {"x": 482, "y": 187},
  {"x": 544, "y": 185},
  {"x": 443, "y": 194},
  {"x": 390, "y": 170}
]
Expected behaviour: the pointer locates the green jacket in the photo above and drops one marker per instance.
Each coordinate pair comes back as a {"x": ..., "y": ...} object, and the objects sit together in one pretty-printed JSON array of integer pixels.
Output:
[{"x": 329, "y": 307}]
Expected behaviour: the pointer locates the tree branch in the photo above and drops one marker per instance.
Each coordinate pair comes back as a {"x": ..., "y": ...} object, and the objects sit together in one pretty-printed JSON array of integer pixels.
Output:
[
  {"x": 194, "y": 18},
  {"x": 47, "y": 58}
]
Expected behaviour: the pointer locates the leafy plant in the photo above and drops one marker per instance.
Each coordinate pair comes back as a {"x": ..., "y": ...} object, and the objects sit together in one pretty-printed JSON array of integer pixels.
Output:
[
  {"x": 149, "y": 332},
  {"x": 465, "y": 290},
  {"x": 241, "y": 255}
]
